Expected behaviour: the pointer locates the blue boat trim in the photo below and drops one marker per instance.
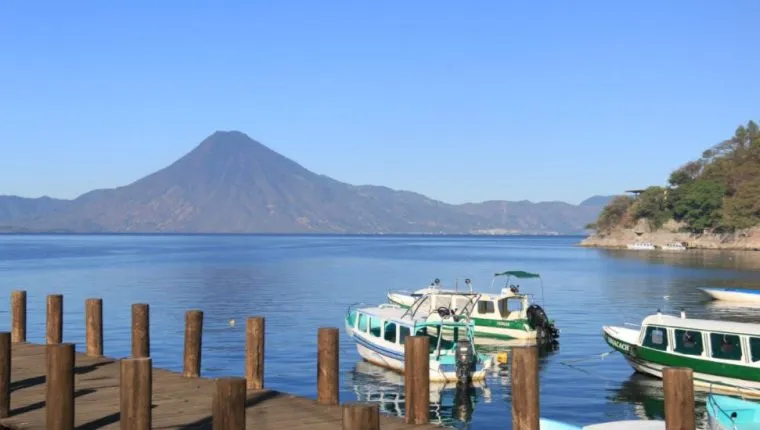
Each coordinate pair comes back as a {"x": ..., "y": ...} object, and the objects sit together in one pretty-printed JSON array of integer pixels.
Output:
[{"x": 733, "y": 290}]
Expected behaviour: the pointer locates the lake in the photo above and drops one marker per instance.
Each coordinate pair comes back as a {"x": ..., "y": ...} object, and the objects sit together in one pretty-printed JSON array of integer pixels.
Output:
[{"x": 300, "y": 283}]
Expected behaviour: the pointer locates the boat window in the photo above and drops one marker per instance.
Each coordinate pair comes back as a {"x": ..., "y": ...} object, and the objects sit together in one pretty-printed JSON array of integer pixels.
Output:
[
  {"x": 403, "y": 333},
  {"x": 656, "y": 337},
  {"x": 422, "y": 331},
  {"x": 485, "y": 307},
  {"x": 510, "y": 304},
  {"x": 389, "y": 333},
  {"x": 754, "y": 348},
  {"x": 351, "y": 320},
  {"x": 726, "y": 346},
  {"x": 362, "y": 323},
  {"x": 374, "y": 326},
  {"x": 688, "y": 342}
]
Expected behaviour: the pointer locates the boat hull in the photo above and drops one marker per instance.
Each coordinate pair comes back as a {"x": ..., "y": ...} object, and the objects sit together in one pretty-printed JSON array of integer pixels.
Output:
[
  {"x": 720, "y": 408},
  {"x": 393, "y": 359},
  {"x": 733, "y": 294},
  {"x": 708, "y": 375}
]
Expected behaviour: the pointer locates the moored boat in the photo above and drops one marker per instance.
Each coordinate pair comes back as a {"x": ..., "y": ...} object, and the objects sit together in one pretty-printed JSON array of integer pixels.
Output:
[
  {"x": 730, "y": 413},
  {"x": 380, "y": 331},
  {"x": 744, "y": 295},
  {"x": 648, "y": 246},
  {"x": 506, "y": 315},
  {"x": 673, "y": 246},
  {"x": 724, "y": 355}
]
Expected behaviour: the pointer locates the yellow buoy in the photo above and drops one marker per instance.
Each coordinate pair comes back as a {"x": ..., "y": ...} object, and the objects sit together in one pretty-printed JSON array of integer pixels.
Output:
[{"x": 502, "y": 357}]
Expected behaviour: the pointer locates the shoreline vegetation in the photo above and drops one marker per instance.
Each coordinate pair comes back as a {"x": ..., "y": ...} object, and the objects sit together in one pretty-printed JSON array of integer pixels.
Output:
[{"x": 709, "y": 203}]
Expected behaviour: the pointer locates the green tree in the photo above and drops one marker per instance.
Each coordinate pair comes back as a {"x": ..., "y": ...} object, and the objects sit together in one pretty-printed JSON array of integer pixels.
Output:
[
  {"x": 699, "y": 204},
  {"x": 651, "y": 205},
  {"x": 614, "y": 214}
]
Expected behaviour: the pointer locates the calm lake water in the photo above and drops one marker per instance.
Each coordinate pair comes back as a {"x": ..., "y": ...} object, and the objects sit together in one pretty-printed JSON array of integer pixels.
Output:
[{"x": 300, "y": 283}]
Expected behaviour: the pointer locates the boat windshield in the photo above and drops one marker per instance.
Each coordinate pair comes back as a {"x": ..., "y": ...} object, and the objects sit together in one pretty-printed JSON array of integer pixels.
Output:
[{"x": 459, "y": 304}]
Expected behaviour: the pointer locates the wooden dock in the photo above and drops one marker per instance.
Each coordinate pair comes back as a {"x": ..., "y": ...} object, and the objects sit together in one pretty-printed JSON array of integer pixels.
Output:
[{"x": 52, "y": 387}]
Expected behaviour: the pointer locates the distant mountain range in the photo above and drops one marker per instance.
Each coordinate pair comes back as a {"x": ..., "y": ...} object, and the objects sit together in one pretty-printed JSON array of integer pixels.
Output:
[{"x": 233, "y": 184}]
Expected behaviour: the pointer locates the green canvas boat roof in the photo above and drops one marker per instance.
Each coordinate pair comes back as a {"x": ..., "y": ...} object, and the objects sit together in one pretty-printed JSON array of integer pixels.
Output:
[{"x": 518, "y": 274}]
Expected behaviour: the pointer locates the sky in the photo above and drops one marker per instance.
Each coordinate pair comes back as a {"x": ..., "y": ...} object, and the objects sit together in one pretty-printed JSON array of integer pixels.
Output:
[{"x": 460, "y": 101}]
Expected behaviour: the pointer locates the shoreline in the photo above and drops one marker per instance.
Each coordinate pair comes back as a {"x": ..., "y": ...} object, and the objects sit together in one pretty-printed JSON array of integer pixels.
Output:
[{"x": 747, "y": 240}]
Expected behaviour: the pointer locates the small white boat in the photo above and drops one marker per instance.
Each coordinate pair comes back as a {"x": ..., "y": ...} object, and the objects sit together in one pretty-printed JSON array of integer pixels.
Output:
[
  {"x": 641, "y": 246},
  {"x": 744, "y": 295},
  {"x": 547, "y": 424},
  {"x": 380, "y": 331},
  {"x": 674, "y": 246},
  {"x": 730, "y": 413}
]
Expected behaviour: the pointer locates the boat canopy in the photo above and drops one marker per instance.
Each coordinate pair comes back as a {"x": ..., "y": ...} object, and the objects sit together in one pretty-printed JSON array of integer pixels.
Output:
[{"x": 520, "y": 274}]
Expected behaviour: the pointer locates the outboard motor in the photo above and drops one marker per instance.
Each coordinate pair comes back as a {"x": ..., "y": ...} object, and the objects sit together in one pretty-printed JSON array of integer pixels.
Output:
[
  {"x": 540, "y": 322},
  {"x": 465, "y": 360}
]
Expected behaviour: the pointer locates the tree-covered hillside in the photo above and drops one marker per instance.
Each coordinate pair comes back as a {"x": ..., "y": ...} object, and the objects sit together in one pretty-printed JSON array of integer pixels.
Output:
[{"x": 719, "y": 192}]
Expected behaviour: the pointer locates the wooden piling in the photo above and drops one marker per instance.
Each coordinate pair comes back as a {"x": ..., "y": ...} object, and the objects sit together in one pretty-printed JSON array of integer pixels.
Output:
[
  {"x": 525, "y": 405},
  {"x": 94, "y": 327},
  {"x": 193, "y": 344},
  {"x": 59, "y": 396},
  {"x": 417, "y": 379},
  {"x": 136, "y": 393},
  {"x": 361, "y": 416},
  {"x": 228, "y": 404},
  {"x": 140, "y": 330},
  {"x": 18, "y": 316},
  {"x": 54, "y": 322},
  {"x": 327, "y": 366},
  {"x": 5, "y": 375},
  {"x": 254, "y": 353},
  {"x": 678, "y": 384}
]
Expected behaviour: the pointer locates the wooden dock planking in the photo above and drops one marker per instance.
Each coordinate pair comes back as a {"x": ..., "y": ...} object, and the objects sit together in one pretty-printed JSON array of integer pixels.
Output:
[{"x": 178, "y": 402}]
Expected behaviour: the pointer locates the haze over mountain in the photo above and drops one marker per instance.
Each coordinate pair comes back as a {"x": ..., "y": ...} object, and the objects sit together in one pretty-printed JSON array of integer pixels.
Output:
[{"x": 233, "y": 184}]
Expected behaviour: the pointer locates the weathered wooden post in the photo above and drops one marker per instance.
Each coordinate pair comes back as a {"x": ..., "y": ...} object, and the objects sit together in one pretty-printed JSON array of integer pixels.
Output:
[
  {"x": 361, "y": 416},
  {"x": 678, "y": 384},
  {"x": 54, "y": 329},
  {"x": 18, "y": 316},
  {"x": 136, "y": 393},
  {"x": 417, "y": 379},
  {"x": 327, "y": 366},
  {"x": 193, "y": 345},
  {"x": 94, "y": 327},
  {"x": 59, "y": 396},
  {"x": 525, "y": 402},
  {"x": 5, "y": 375},
  {"x": 140, "y": 330},
  {"x": 228, "y": 405},
  {"x": 254, "y": 353}
]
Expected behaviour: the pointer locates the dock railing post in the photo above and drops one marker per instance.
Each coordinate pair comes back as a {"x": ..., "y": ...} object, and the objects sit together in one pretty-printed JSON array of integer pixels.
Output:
[
  {"x": 254, "y": 353},
  {"x": 525, "y": 390},
  {"x": 59, "y": 396},
  {"x": 417, "y": 379},
  {"x": 228, "y": 404},
  {"x": 5, "y": 375},
  {"x": 193, "y": 343},
  {"x": 361, "y": 416},
  {"x": 140, "y": 330},
  {"x": 18, "y": 316},
  {"x": 54, "y": 321},
  {"x": 94, "y": 327},
  {"x": 327, "y": 366},
  {"x": 678, "y": 384},
  {"x": 136, "y": 393}
]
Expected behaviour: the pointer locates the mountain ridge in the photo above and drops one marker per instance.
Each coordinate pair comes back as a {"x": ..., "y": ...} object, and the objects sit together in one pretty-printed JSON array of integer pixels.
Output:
[{"x": 230, "y": 183}]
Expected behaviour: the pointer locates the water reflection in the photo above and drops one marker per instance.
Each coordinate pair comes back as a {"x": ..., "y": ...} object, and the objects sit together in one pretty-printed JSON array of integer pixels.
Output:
[
  {"x": 645, "y": 393},
  {"x": 693, "y": 258},
  {"x": 451, "y": 404}
]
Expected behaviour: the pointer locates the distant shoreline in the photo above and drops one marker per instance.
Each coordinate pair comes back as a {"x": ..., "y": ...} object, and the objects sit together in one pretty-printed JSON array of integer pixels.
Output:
[
  {"x": 534, "y": 235},
  {"x": 748, "y": 240}
]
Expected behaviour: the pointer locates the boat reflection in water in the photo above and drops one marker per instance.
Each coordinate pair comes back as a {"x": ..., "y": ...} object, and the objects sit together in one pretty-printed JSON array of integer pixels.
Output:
[
  {"x": 451, "y": 403},
  {"x": 645, "y": 394}
]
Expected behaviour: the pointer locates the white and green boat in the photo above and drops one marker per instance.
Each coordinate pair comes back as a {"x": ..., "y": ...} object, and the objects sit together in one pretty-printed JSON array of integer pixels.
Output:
[
  {"x": 724, "y": 355},
  {"x": 506, "y": 315}
]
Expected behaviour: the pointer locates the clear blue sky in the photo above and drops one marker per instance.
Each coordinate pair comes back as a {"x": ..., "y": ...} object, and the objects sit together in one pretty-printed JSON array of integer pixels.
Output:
[{"x": 461, "y": 101}]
